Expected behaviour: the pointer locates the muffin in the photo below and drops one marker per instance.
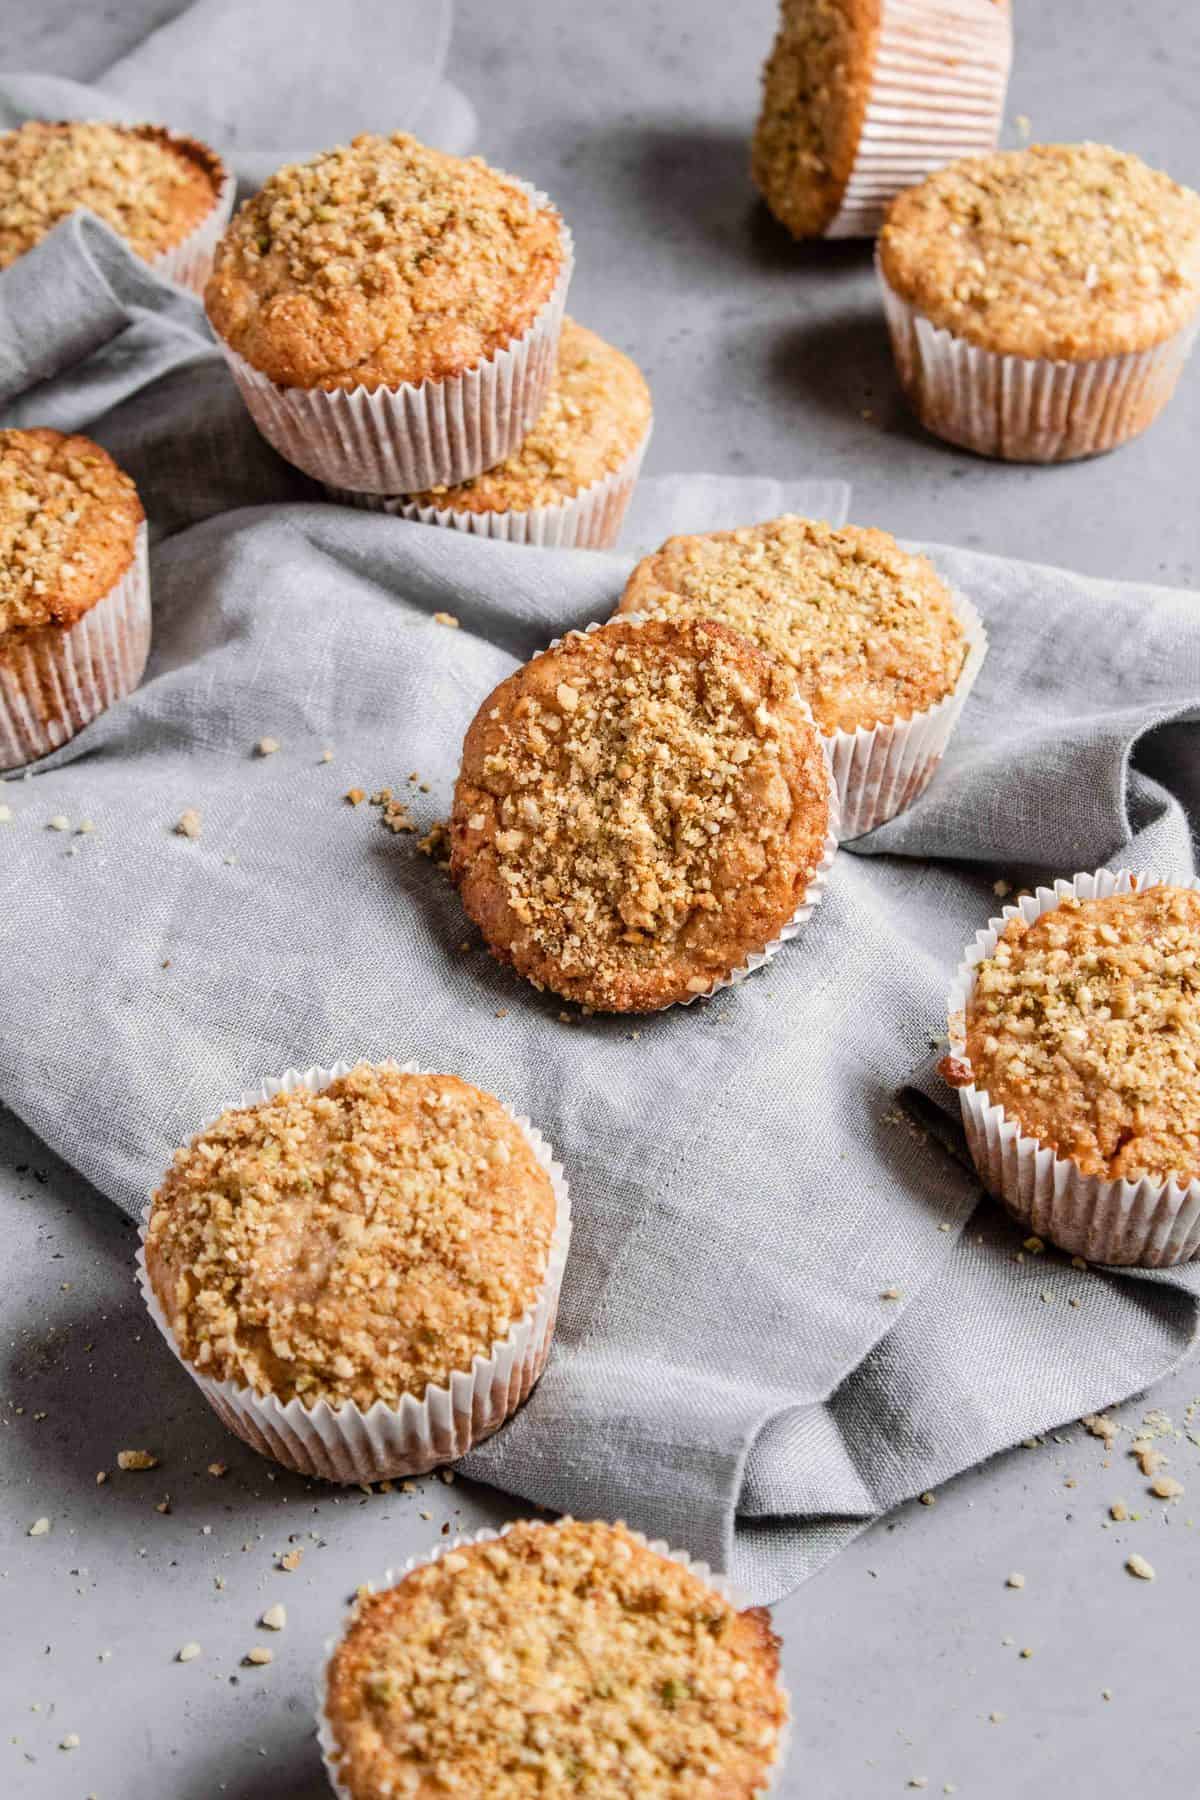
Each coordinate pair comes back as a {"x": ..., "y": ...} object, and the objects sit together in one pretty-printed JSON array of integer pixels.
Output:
[
  {"x": 569, "y": 482},
  {"x": 553, "y": 1659},
  {"x": 74, "y": 589},
  {"x": 360, "y": 1267},
  {"x": 1042, "y": 302},
  {"x": 1075, "y": 1044},
  {"x": 391, "y": 313},
  {"x": 642, "y": 814},
  {"x": 883, "y": 652},
  {"x": 862, "y": 98},
  {"x": 168, "y": 196}
]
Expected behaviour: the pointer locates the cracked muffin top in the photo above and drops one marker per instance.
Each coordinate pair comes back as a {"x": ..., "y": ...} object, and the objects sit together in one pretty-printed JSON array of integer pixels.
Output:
[
  {"x": 597, "y": 413},
  {"x": 563, "y": 1658},
  {"x": 150, "y": 185},
  {"x": 382, "y": 262},
  {"x": 1085, "y": 1027},
  {"x": 1067, "y": 251},
  {"x": 638, "y": 809},
  {"x": 69, "y": 520},
  {"x": 351, "y": 1245},
  {"x": 869, "y": 629}
]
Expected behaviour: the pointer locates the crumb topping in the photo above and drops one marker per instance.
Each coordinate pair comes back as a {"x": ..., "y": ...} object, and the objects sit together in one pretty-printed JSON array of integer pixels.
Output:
[
  {"x": 565, "y": 1658},
  {"x": 597, "y": 413},
  {"x": 382, "y": 262},
  {"x": 1061, "y": 250},
  {"x": 355, "y": 1244},
  {"x": 1085, "y": 1027},
  {"x": 152, "y": 189},
  {"x": 637, "y": 809},
  {"x": 814, "y": 96},
  {"x": 68, "y": 528},
  {"x": 869, "y": 629}
]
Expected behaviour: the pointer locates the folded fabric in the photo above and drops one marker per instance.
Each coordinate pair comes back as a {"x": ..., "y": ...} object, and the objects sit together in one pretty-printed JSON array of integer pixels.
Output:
[{"x": 750, "y": 1176}]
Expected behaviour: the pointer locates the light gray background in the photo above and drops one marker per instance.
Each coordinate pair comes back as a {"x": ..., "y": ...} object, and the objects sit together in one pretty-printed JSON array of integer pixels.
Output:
[{"x": 763, "y": 357}]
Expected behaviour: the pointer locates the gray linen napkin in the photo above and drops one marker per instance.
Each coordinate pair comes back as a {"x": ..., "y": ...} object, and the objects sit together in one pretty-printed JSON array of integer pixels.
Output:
[{"x": 746, "y": 1182}]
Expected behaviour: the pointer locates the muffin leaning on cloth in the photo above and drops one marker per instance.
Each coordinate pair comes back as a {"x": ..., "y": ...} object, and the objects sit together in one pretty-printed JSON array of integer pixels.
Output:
[
  {"x": 862, "y": 98},
  {"x": 74, "y": 589},
  {"x": 568, "y": 483},
  {"x": 168, "y": 196},
  {"x": 391, "y": 313},
  {"x": 643, "y": 814},
  {"x": 1042, "y": 302},
  {"x": 884, "y": 653},
  {"x": 551, "y": 1659},
  {"x": 360, "y": 1267},
  {"x": 1075, "y": 1046}
]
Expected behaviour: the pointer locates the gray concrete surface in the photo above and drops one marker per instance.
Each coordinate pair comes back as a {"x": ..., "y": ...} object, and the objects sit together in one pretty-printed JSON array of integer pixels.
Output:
[{"x": 904, "y": 1655}]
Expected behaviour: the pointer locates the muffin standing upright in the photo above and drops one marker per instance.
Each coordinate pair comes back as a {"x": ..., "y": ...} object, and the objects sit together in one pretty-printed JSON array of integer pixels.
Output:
[
  {"x": 74, "y": 589},
  {"x": 568, "y": 483},
  {"x": 882, "y": 650},
  {"x": 360, "y": 1267},
  {"x": 168, "y": 196},
  {"x": 554, "y": 1659},
  {"x": 862, "y": 98},
  {"x": 1042, "y": 302},
  {"x": 391, "y": 314}
]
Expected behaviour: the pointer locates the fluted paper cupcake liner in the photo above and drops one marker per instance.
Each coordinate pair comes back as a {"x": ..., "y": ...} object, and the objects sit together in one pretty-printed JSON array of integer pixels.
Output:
[
  {"x": 814, "y": 892},
  {"x": 190, "y": 263},
  {"x": 936, "y": 93},
  {"x": 402, "y": 440},
  {"x": 55, "y": 680},
  {"x": 1028, "y": 408},
  {"x": 589, "y": 520},
  {"x": 348, "y": 1444},
  {"x": 719, "y": 1584},
  {"x": 882, "y": 771},
  {"x": 1147, "y": 1223}
]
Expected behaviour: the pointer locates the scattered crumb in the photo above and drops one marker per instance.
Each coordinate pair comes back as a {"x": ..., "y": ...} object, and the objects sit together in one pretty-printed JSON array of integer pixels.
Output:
[
  {"x": 1026, "y": 1653},
  {"x": 187, "y": 1652},
  {"x": 436, "y": 844},
  {"x": 1137, "y": 1565},
  {"x": 39, "y": 1528},
  {"x": 1024, "y": 125},
  {"x": 928, "y": 1499},
  {"x": 1078, "y": 1262},
  {"x": 444, "y": 618},
  {"x": 85, "y": 828},
  {"x": 275, "y": 1617},
  {"x": 1000, "y": 888},
  {"x": 995, "y": 1718},
  {"x": 355, "y": 796},
  {"x": 101, "y": 1477},
  {"x": 1165, "y": 1487},
  {"x": 259, "y": 1656},
  {"x": 1015, "y": 1580},
  {"x": 1106, "y": 1693},
  {"x": 291, "y": 1560},
  {"x": 892, "y": 1293},
  {"x": 6, "y": 813},
  {"x": 70, "y": 1742},
  {"x": 327, "y": 755},
  {"x": 918, "y": 1781},
  {"x": 266, "y": 746},
  {"x": 218, "y": 1469},
  {"x": 1118, "y": 1511},
  {"x": 188, "y": 824},
  {"x": 1149, "y": 1461},
  {"x": 59, "y": 822},
  {"x": 446, "y": 1475},
  {"x": 229, "y": 858},
  {"x": 1100, "y": 1426},
  {"x": 136, "y": 1459}
]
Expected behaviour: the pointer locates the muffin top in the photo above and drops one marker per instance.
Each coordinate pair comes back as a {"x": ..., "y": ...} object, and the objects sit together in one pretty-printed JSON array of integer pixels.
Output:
[
  {"x": 149, "y": 185},
  {"x": 355, "y": 1244},
  {"x": 1085, "y": 1027},
  {"x": 382, "y": 262},
  {"x": 869, "y": 630},
  {"x": 69, "y": 520},
  {"x": 1067, "y": 251},
  {"x": 638, "y": 809},
  {"x": 564, "y": 1658},
  {"x": 597, "y": 413}
]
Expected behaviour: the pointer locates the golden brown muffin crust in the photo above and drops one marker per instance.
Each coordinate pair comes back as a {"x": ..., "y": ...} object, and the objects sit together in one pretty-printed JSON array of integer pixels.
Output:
[
  {"x": 69, "y": 520},
  {"x": 869, "y": 629},
  {"x": 1085, "y": 1027},
  {"x": 638, "y": 809},
  {"x": 597, "y": 414},
  {"x": 558, "y": 1659},
  {"x": 355, "y": 1244},
  {"x": 815, "y": 88},
  {"x": 1067, "y": 251},
  {"x": 382, "y": 262},
  {"x": 152, "y": 187}
]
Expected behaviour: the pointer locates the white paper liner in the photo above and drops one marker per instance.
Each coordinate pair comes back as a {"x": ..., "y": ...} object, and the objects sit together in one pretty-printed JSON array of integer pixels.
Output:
[
  {"x": 1147, "y": 1223},
  {"x": 880, "y": 772},
  {"x": 1027, "y": 408},
  {"x": 55, "y": 681},
  {"x": 936, "y": 93},
  {"x": 405, "y": 439},
  {"x": 190, "y": 263},
  {"x": 720, "y": 1584},
  {"x": 814, "y": 893},
  {"x": 589, "y": 520},
  {"x": 346, "y": 1444}
]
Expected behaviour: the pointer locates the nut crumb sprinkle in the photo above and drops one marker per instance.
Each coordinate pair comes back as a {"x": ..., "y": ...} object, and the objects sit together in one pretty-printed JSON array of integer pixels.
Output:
[
  {"x": 189, "y": 823},
  {"x": 136, "y": 1459}
]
